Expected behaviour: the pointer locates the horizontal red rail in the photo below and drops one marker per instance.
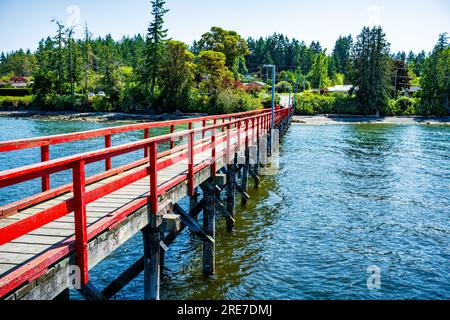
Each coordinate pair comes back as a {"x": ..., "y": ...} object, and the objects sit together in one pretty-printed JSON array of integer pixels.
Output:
[
  {"x": 85, "y": 135},
  {"x": 242, "y": 128}
]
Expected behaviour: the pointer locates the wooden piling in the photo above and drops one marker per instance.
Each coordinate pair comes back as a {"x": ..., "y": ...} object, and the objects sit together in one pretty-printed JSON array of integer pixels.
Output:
[
  {"x": 193, "y": 200},
  {"x": 209, "y": 226},
  {"x": 231, "y": 192},
  {"x": 245, "y": 176},
  {"x": 152, "y": 238},
  {"x": 162, "y": 254}
]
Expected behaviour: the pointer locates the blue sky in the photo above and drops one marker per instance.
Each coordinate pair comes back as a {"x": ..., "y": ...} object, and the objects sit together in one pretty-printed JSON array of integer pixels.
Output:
[{"x": 410, "y": 25}]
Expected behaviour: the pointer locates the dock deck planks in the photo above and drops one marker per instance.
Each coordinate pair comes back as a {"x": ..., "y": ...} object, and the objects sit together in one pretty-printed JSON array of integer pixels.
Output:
[{"x": 34, "y": 244}]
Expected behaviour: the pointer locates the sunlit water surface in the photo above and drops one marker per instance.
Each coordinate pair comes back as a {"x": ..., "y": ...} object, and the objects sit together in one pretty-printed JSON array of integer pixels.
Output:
[{"x": 346, "y": 197}]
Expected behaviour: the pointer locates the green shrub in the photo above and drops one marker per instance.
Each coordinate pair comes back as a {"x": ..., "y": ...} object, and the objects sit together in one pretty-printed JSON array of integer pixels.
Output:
[
  {"x": 344, "y": 103},
  {"x": 101, "y": 104},
  {"x": 283, "y": 86},
  {"x": 407, "y": 106},
  {"x": 229, "y": 101},
  {"x": 403, "y": 106},
  {"x": 434, "y": 109},
  {"x": 135, "y": 98},
  {"x": 310, "y": 103},
  {"x": 266, "y": 100},
  {"x": 16, "y": 102},
  {"x": 69, "y": 102},
  {"x": 15, "y": 92}
]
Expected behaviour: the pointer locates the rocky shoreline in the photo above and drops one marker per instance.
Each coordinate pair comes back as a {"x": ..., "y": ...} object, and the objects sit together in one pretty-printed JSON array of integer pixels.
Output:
[
  {"x": 135, "y": 117},
  {"x": 97, "y": 116},
  {"x": 347, "y": 119}
]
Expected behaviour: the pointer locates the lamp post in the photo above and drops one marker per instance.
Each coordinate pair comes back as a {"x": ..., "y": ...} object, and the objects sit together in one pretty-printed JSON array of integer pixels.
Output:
[
  {"x": 295, "y": 93},
  {"x": 273, "y": 92},
  {"x": 272, "y": 126}
]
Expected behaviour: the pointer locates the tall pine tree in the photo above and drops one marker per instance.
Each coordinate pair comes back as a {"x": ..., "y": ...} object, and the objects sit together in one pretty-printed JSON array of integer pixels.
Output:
[
  {"x": 372, "y": 70},
  {"x": 154, "y": 45}
]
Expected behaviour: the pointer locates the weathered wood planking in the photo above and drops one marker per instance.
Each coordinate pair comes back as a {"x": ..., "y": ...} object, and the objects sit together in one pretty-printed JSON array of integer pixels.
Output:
[{"x": 44, "y": 238}]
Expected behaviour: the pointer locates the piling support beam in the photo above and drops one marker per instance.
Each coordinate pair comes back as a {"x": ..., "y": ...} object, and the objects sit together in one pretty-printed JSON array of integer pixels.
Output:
[
  {"x": 63, "y": 296},
  {"x": 209, "y": 226},
  {"x": 152, "y": 254}
]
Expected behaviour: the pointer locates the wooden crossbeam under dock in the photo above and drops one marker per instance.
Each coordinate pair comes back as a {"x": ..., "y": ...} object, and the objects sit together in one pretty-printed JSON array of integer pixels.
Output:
[{"x": 49, "y": 242}]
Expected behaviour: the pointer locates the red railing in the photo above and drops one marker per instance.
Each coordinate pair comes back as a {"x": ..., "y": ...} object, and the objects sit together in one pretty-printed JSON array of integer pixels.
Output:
[
  {"x": 251, "y": 125},
  {"x": 45, "y": 142}
]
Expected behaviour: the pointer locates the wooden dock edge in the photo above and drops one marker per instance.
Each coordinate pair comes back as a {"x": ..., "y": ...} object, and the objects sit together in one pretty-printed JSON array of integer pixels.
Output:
[{"x": 55, "y": 281}]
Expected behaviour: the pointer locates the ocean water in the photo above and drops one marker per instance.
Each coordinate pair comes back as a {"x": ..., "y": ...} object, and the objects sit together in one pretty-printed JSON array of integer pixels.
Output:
[{"x": 346, "y": 198}]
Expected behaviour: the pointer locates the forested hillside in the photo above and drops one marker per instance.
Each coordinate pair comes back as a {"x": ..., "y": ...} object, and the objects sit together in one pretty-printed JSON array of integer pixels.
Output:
[{"x": 215, "y": 74}]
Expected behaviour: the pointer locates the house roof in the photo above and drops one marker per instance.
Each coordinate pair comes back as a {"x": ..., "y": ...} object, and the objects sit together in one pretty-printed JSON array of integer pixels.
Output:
[
  {"x": 19, "y": 85},
  {"x": 259, "y": 83},
  {"x": 340, "y": 88},
  {"x": 414, "y": 89}
]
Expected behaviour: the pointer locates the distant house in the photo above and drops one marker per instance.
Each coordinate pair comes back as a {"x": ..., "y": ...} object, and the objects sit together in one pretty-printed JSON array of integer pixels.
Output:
[
  {"x": 412, "y": 90},
  {"x": 18, "y": 82},
  {"x": 255, "y": 84},
  {"x": 340, "y": 88},
  {"x": 19, "y": 85}
]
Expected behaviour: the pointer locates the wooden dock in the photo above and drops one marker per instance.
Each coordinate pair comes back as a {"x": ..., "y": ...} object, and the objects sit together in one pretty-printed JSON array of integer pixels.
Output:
[{"x": 50, "y": 241}]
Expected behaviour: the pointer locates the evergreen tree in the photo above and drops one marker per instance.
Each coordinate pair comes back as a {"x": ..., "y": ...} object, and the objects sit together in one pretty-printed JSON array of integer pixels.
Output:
[
  {"x": 229, "y": 43},
  {"x": 87, "y": 59},
  {"x": 435, "y": 80},
  {"x": 371, "y": 70},
  {"x": 316, "y": 47},
  {"x": 154, "y": 42},
  {"x": 176, "y": 75},
  {"x": 71, "y": 63},
  {"x": 319, "y": 72},
  {"x": 401, "y": 79},
  {"x": 341, "y": 55},
  {"x": 59, "y": 56},
  {"x": 110, "y": 78}
]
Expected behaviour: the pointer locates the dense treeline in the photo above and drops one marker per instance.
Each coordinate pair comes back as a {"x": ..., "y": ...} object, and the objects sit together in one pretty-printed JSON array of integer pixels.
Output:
[{"x": 152, "y": 74}]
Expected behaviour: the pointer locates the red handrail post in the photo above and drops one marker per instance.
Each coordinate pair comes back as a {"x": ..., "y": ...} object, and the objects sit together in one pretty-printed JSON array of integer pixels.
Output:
[
  {"x": 146, "y": 136},
  {"x": 172, "y": 143},
  {"x": 253, "y": 130},
  {"x": 228, "y": 158},
  {"x": 45, "y": 156},
  {"x": 79, "y": 192},
  {"x": 153, "y": 171},
  {"x": 191, "y": 164},
  {"x": 246, "y": 134},
  {"x": 223, "y": 121},
  {"x": 239, "y": 136},
  {"x": 203, "y": 125},
  {"x": 213, "y": 153},
  {"x": 108, "y": 165},
  {"x": 258, "y": 124}
]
